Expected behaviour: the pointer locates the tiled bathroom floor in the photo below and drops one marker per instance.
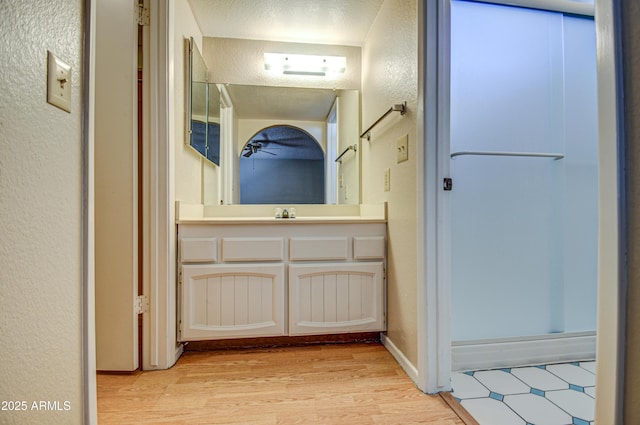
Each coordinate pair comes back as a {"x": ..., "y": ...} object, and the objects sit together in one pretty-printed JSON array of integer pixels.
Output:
[{"x": 557, "y": 394}]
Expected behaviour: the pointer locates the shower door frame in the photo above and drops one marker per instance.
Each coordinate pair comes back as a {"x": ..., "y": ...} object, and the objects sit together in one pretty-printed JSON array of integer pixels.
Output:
[{"x": 434, "y": 334}]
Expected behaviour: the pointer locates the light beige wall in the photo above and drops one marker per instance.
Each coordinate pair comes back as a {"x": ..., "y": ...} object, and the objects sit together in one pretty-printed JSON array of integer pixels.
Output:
[
  {"x": 389, "y": 76},
  {"x": 348, "y": 134},
  {"x": 196, "y": 179},
  {"x": 41, "y": 210},
  {"x": 631, "y": 47}
]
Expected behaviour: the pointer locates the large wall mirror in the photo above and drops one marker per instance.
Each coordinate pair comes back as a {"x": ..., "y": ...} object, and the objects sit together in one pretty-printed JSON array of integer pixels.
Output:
[
  {"x": 287, "y": 141},
  {"x": 202, "y": 107}
]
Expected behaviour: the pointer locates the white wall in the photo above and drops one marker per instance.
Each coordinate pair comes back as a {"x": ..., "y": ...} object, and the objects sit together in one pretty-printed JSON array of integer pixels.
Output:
[
  {"x": 196, "y": 179},
  {"x": 390, "y": 76},
  {"x": 41, "y": 210}
]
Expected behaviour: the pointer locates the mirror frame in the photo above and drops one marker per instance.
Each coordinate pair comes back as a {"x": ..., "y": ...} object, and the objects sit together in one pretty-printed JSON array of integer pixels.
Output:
[{"x": 191, "y": 50}]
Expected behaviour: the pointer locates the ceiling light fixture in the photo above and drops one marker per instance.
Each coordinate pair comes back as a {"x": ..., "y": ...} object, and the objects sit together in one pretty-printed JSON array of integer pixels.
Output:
[{"x": 304, "y": 64}]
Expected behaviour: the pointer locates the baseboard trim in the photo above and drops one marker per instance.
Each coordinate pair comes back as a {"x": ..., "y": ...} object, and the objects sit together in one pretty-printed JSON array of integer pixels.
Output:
[
  {"x": 281, "y": 341},
  {"x": 478, "y": 355},
  {"x": 179, "y": 351},
  {"x": 405, "y": 364}
]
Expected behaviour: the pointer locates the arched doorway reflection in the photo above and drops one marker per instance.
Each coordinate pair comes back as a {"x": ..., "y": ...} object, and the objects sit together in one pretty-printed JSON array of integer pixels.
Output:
[{"x": 282, "y": 165}]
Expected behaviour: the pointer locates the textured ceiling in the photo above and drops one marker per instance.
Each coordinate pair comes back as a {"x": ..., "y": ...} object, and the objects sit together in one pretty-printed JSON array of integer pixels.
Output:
[{"x": 342, "y": 22}]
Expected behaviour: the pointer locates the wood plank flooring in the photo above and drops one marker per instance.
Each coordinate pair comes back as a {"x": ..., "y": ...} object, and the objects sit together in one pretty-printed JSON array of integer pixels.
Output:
[{"x": 354, "y": 384}]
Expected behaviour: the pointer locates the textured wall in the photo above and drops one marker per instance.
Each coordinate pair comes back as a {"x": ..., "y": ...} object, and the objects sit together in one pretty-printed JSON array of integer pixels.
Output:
[
  {"x": 389, "y": 76},
  {"x": 631, "y": 48},
  {"x": 40, "y": 206},
  {"x": 196, "y": 179}
]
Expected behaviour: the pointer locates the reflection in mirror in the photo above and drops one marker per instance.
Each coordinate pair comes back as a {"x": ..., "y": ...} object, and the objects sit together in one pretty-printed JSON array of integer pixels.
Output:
[
  {"x": 282, "y": 165},
  {"x": 203, "y": 107},
  {"x": 213, "y": 124},
  {"x": 257, "y": 108}
]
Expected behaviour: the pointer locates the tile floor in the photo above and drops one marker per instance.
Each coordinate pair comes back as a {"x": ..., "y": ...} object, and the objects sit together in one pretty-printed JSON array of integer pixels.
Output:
[{"x": 556, "y": 394}]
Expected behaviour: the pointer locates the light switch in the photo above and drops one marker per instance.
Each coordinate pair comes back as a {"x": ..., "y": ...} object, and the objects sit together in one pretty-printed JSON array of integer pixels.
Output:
[
  {"x": 58, "y": 82},
  {"x": 403, "y": 148}
]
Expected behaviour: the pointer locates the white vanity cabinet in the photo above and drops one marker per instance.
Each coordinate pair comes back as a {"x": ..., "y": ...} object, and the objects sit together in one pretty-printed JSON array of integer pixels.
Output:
[{"x": 260, "y": 278}]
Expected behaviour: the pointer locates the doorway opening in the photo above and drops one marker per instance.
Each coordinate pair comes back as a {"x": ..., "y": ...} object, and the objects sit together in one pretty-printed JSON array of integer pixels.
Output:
[
  {"x": 523, "y": 210},
  {"x": 282, "y": 165}
]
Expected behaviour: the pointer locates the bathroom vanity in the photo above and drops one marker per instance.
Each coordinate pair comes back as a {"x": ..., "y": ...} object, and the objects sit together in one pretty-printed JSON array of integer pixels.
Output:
[{"x": 244, "y": 273}]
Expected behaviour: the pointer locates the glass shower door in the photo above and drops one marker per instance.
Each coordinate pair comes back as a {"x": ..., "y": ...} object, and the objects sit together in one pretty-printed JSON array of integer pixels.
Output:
[{"x": 524, "y": 166}]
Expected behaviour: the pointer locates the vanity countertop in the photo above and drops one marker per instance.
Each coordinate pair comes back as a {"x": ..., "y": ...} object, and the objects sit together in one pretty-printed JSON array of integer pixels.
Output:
[{"x": 265, "y": 214}]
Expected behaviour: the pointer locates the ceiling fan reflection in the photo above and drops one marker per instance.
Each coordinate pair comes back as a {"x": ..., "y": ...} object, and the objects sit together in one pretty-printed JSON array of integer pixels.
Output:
[{"x": 254, "y": 148}]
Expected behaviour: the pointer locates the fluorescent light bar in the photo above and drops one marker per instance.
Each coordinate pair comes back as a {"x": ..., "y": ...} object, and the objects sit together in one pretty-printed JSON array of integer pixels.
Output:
[{"x": 304, "y": 64}]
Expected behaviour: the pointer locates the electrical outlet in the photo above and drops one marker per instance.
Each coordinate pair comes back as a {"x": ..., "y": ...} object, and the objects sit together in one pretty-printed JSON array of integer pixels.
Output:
[
  {"x": 402, "y": 145},
  {"x": 387, "y": 180},
  {"x": 346, "y": 192}
]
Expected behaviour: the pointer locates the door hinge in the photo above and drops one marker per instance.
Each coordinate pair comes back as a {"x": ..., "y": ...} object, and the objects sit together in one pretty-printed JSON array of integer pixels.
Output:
[
  {"x": 142, "y": 15},
  {"x": 141, "y": 304},
  {"x": 447, "y": 183}
]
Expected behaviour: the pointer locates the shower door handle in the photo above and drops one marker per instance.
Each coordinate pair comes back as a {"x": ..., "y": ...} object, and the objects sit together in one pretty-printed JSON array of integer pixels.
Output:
[{"x": 447, "y": 183}]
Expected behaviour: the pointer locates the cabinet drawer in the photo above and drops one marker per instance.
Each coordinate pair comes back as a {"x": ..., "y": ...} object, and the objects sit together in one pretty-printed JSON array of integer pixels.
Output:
[
  {"x": 198, "y": 250},
  {"x": 252, "y": 249},
  {"x": 368, "y": 247},
  {"x": 318, "y": 248}
]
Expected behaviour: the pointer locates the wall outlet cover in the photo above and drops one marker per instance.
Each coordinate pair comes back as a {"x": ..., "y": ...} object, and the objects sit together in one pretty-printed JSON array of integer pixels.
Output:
[
  {"x": 58, "y": 82},
  {"x": 402, "y": 146}
]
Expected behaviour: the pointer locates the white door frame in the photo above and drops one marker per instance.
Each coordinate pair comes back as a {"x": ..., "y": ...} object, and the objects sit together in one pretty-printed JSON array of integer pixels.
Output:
[
  {"x": 434, "y": 299},
  {"x": 89, "y": 381},
  {"x": 160, "y": 347},
  {"x": 434, "y": 337},
  {"x": 227, "y": 147},
  {"x": 433, "y": 293},
  {"x": 612, "y": 230}
]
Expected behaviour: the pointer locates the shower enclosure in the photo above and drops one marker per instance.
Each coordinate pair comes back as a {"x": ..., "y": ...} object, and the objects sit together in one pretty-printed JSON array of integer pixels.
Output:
[{"x": 524, "y": 199}]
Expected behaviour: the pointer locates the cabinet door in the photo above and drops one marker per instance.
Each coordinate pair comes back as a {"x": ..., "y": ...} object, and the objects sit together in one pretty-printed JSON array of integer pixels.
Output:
[
  {"x": 231, "y": 301},
  {"x": 336, "y": 298}
]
